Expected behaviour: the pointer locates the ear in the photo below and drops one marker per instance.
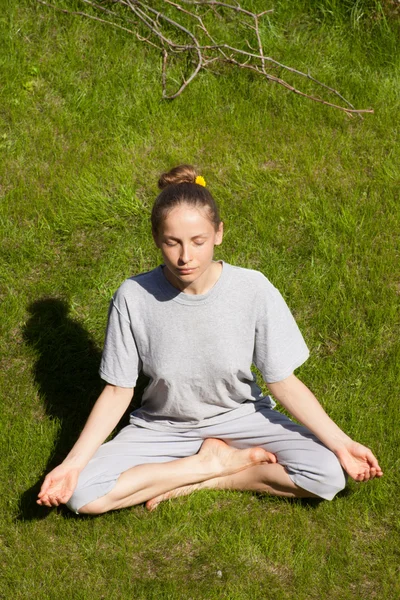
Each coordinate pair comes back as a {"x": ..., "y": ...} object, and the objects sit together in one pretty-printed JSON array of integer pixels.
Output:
[{"x": 219, "y": 234}]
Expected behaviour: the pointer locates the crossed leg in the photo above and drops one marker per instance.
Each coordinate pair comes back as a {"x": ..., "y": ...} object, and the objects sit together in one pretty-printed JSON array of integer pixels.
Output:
[
  {"x": 268, "y": 478},
  {"x": 297, "y": 452},
  {"x": 265, "y": 452},
  {"x": 144, "y": 482}
]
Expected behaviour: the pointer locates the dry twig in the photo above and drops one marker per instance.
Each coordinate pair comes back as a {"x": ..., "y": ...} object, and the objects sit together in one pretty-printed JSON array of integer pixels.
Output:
[{"x": 156, "y": 28}]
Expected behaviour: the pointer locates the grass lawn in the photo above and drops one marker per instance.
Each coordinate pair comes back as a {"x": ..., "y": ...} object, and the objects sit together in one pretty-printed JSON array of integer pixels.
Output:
[{"x": 309, "y": 196}]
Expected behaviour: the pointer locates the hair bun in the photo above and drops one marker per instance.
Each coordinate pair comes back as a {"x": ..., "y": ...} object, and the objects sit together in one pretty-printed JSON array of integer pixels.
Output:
[{"x": 179, "y": 174}]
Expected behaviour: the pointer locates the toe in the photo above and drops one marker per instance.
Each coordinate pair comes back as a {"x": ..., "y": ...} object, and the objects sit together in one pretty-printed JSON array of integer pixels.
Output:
[{"x": 151, "y": 505}]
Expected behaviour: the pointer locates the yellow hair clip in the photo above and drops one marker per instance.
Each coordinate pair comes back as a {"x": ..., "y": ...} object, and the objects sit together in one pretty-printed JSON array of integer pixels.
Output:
[{"x": 200, "y": 180}]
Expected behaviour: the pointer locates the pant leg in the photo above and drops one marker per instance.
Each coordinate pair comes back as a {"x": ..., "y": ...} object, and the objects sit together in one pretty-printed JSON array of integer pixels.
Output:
[
  {"x": 132, "y": 446},
  {"x": 309, "y": 464}
]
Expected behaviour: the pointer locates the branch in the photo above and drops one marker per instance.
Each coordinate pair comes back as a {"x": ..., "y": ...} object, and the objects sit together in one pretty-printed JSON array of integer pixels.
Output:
[
  {"x": 156, "y": 23},
  {"x": 349, "y": 111}
]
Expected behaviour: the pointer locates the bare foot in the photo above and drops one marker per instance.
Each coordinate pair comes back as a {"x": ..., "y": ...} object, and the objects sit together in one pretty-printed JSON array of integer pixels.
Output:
[
  {"x": 185, "y": 490},
  {"x": 226, "y": 460}
]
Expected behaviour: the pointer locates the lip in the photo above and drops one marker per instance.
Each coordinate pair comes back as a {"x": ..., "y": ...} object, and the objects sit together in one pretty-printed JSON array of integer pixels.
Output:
[{"x": 186, "y": 271}]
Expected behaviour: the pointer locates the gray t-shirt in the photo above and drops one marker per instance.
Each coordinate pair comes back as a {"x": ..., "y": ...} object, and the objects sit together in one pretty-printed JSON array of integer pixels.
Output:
[{"x": 198, "y": 350}]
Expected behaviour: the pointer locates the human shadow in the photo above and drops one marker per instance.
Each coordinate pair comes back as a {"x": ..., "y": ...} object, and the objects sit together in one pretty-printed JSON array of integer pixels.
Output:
[{"x": 66, "y": 372}]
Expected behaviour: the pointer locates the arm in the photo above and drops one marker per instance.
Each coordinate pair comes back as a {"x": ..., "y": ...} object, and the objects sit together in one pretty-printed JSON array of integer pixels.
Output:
[
  {"x": 357, "y": 460},
  {"x": 60, "y": 483}
]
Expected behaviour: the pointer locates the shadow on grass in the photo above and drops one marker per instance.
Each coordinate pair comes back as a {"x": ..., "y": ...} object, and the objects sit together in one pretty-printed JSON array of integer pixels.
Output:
[
  {"x": 309, "y": 503},
  {"x": 66, "y": 372}
]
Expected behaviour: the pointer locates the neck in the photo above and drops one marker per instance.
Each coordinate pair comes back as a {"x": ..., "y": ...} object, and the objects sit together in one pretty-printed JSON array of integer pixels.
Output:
[{"x": 201, "y": 285}]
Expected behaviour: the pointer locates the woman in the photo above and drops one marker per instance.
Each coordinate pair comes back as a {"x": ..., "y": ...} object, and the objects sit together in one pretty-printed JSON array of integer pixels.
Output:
[{"x": 195, "y": 326}]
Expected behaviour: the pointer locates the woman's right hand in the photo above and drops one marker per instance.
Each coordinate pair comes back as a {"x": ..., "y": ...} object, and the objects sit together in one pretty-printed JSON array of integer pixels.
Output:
[{"x": 58, "y": 485}]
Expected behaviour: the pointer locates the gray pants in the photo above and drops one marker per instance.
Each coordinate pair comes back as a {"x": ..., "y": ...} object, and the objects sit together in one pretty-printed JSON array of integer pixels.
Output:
[{"x": 307, "y": 461}]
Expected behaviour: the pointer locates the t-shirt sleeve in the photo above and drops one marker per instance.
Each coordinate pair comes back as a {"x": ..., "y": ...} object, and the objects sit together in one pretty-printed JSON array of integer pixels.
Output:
[
  {"x": 279, "y": 346},
  {"x": 120, "y": 363}
]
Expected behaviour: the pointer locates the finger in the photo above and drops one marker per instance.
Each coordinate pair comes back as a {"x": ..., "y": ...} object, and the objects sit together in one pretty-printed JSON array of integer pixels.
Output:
[
  {"x": 53, "y": 501},
  {"x": 372, "y": 473},
  {"x": 45, "y": 503},
  {"x": 372, "y": 460},
  {"x": 44, "y": 488},
  {"x": 272, "y": 458},
  {"x": 64, "y": 496},
  {"x": 45, "y": 493},
  {"x": 47, "y": 500}
]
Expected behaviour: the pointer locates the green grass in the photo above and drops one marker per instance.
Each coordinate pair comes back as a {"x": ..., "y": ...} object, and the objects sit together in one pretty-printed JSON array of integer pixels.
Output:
[{"x": 308, "y": 196}]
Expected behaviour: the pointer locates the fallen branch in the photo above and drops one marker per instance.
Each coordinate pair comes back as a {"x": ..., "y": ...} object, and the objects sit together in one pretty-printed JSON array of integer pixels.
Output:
[{"x": 155, "y": 27}]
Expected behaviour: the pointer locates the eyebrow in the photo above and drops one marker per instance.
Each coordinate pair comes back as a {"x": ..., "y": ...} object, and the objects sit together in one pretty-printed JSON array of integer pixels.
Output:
[{"x": 200, "y": 235}]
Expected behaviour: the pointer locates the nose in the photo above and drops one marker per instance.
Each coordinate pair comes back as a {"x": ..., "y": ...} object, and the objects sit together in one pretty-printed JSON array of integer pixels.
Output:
[{"x": 185, "y": 256}]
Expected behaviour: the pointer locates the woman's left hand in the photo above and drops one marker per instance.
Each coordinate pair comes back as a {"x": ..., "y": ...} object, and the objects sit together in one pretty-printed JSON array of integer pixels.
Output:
[{"x": 358, "y": 461}]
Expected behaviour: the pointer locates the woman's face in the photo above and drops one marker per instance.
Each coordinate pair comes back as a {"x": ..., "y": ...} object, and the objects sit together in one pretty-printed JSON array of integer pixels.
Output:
[{"x": 186, "y": 240}]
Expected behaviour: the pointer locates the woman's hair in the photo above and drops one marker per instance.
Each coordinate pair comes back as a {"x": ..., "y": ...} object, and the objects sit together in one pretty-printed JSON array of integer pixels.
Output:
[{"x": 178, "y": 187}]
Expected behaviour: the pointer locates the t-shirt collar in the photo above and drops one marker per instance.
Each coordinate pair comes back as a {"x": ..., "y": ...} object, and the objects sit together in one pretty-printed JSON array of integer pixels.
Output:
[{"x": 172, "y": 293}]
